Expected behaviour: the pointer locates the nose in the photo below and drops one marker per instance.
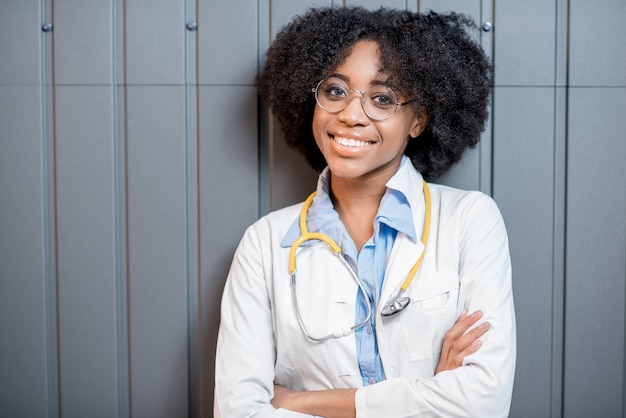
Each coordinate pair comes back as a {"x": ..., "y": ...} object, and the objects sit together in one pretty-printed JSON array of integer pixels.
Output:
[{"x": 353, "y": 113}]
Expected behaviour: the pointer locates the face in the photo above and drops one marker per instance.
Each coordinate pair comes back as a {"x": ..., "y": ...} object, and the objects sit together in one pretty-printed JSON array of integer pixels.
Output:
[{"x": 355, "y": 146}]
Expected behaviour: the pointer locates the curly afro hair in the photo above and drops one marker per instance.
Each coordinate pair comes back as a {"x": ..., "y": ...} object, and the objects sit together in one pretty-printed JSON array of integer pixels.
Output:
[{"x": 430, "y": 57}]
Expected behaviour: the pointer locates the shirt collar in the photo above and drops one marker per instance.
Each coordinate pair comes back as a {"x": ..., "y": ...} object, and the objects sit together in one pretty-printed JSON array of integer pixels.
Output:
[{"x": 396, "y": 207}]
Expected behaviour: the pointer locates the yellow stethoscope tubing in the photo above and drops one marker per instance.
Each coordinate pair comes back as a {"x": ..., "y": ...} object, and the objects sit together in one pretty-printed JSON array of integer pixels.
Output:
[
  {"x": 427, "y": 216},
  {"x": 396, "y": 302},
  {"x": 339, "y": 332},
  {"x": 308, "y": 236}
]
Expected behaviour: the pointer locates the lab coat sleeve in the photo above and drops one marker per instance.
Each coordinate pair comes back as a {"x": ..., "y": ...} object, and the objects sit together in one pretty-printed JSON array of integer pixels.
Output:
[
  {"x": 482, "y": 386},
  {"x": 245, "y": 355}
]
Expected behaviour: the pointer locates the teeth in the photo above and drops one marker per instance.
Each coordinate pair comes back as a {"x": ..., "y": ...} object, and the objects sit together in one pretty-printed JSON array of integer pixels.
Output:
[{"x": 350, "y": 142}]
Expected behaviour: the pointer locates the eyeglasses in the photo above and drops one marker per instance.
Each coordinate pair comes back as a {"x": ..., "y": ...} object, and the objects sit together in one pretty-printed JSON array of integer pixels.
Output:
[{"x": 379, "y": 102}]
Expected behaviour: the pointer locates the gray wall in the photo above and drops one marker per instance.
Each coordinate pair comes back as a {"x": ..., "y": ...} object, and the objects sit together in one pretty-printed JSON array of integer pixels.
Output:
[{"x": 134, "y": 152}]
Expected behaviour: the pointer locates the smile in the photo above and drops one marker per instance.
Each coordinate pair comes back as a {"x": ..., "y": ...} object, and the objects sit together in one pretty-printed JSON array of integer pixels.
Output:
[{"x": 350, "y": 142}]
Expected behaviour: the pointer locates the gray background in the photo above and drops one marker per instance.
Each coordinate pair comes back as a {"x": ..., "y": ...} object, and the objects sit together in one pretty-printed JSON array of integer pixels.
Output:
[{"x": 134, "y": 152}]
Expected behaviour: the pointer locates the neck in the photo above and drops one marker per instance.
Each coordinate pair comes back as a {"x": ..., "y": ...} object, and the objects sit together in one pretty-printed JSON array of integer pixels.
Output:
[
  {"x": 351, "y": 194},
  {"x": 357, "y": 205}
]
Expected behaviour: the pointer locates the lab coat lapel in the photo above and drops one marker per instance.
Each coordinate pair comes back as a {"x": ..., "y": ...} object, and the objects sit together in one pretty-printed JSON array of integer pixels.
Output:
[{"x": 405, "y": 251}]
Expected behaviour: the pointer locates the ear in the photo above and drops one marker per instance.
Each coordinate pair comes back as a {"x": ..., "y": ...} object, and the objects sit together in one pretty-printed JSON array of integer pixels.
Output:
[{"x": 418, "y": 124}]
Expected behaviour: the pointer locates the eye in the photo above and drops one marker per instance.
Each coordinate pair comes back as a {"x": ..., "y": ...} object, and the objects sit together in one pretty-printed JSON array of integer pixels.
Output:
[
  {"x": 335, "y": 92},
  {"x": 383, "y": 99}
]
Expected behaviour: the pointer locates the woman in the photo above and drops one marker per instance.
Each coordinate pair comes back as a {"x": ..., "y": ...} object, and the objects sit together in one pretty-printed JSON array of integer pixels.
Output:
[{"x": 380, "y": 100}]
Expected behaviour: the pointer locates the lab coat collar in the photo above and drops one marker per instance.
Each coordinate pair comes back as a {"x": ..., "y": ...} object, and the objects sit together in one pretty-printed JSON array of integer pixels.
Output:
[{"x": 405, "y": 180}]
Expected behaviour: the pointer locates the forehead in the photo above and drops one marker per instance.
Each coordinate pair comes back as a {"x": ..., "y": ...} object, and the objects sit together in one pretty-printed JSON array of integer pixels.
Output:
[
  {"x": 364, "y": 60},
  {"x": 363, "y": 64},
  {"x": 364, "y": 55}
]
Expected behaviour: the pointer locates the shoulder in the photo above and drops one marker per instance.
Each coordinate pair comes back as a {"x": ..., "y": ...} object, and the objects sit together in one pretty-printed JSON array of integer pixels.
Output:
[
  {"x": 461, "y": 200},
  {"x": 466, "y": 208}
]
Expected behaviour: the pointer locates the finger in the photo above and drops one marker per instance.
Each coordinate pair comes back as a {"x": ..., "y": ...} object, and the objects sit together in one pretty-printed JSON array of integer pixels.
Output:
[
  {"x": 461, "y": 344},
  {"x": 456, "y": 347},
  {"x": 463, "y": 323},
  {"x": 463, "y": 347},
  {"x": 470, "y": 349}
]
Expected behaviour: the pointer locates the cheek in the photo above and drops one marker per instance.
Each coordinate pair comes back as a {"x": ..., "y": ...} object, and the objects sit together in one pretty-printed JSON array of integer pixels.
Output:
[
  {"x": 406, "y": 129},
  {"x": 318, "y": 117},
  {"x": 318, "y": 125}
]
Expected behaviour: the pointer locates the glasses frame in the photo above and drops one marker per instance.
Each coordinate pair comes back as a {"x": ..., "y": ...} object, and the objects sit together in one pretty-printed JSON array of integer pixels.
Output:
[{"x": 349, "y": 100}]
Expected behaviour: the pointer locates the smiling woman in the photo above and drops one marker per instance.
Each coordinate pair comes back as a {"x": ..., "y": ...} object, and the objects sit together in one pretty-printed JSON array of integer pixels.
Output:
[
  {"x": 355, "y": 146},
  {"x": 430, "y": 59},
  {"x": 383, "y": 100}
]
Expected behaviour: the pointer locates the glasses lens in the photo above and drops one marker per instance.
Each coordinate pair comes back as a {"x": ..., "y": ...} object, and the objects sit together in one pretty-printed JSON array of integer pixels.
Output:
[
  {"x": 332, "y": 94},
  {"x": 380, "y": 102}
]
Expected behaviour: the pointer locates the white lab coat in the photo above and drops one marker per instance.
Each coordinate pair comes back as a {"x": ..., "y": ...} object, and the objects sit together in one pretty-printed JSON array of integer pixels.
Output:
[{"x": 466, "y": 266}]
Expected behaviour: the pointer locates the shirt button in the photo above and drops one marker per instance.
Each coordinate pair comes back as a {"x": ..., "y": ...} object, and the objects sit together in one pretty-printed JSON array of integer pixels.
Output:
[
  {"x": 369, "y": 330},
  {"x": 372, "y": 380}
]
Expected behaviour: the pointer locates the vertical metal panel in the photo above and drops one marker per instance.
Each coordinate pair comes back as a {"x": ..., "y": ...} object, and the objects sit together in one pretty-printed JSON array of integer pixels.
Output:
[
  {"x": 83, "y": 41},
  {"x": 524, "y": 178},
  {"x": 292, "y": 177},
  {"x": 86, "y": 251},
  {"x": 19, "y": 43},
  {"x": 558, "y": 250},
  {"x": 560, "y": 204},
  {"x": 466, "y": 173},
  {"x": 597, "y": 47},
  {"x": 121, "y": 252},
  {"x": 228, "y": 33},
  {"x": 283, "y": 11},
  {"x": 562, "y": 43},
  {"x": 27, "y": 363},
  {"x": 596, "y": 245},
  {"x": 23, "y": 361},
  {"x": 526, "y": 43},
  {"x": 157, "y": 251},
  {"x": 229, "y": 193},
  {"x": 155, "y": 45},
  {"x": 198, "y": 398}
]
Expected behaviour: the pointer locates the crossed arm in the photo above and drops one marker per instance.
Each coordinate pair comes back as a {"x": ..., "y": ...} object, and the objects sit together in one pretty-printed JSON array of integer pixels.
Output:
[{"x": 338, "y": 403}]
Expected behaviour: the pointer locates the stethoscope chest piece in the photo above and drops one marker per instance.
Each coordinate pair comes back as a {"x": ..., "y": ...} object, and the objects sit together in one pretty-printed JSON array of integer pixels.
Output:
[{"x": 395, "y": 304}]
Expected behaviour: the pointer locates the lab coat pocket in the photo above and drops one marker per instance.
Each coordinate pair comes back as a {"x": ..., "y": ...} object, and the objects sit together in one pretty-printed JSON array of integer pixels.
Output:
[{"x": 430, "y": 314}]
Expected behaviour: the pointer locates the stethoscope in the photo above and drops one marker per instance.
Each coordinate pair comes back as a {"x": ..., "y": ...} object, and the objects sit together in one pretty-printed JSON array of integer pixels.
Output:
[{"x": 398, "y": 299}]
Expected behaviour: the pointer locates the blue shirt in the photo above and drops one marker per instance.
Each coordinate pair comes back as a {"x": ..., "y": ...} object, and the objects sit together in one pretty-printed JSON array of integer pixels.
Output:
[{"x": 394, "y": 215}]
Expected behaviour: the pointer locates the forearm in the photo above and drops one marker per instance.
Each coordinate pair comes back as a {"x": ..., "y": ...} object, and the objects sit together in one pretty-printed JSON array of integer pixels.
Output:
[
  {"x": 457, "y": 393},
  {"x": 333, "y": 403}
]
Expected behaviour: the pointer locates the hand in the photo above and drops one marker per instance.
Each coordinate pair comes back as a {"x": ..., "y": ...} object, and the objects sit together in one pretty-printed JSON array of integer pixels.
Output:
[
  {"x": 459, "y": 343},
  {"x": 282, "y": 395}
]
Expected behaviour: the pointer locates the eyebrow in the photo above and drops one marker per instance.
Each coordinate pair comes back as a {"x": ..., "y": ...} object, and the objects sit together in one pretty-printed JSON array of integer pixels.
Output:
[{"x": 376, "y": 82}]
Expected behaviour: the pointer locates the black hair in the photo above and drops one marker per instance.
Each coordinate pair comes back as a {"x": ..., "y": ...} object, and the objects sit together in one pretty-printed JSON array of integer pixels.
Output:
[{"x": 431, "y": 57}]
